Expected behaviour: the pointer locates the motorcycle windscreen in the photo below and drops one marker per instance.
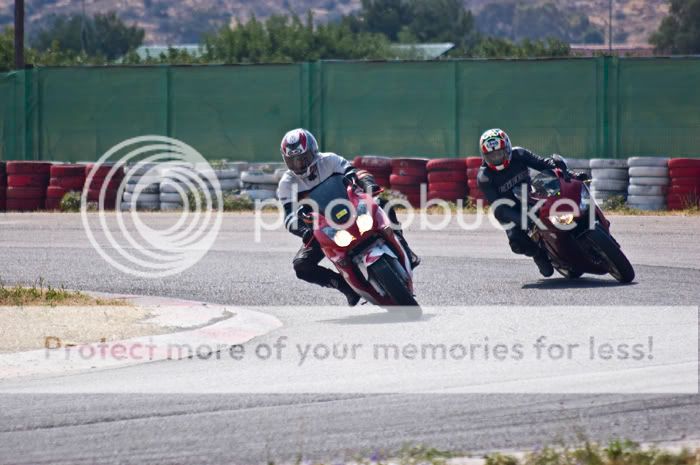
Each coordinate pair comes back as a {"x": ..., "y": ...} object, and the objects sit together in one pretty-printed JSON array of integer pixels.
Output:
[
  {"x": 545, "y": 184},
  {"x": 325, "y": 193}
]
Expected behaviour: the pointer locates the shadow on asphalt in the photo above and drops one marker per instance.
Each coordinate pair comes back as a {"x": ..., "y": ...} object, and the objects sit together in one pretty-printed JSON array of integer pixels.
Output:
[
  {"x": 378, "y": 318},
  {"x": 580, "y": 283}
]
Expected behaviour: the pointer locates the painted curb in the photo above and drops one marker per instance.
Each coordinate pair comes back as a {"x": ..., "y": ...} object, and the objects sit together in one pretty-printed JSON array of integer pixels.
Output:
[{"x": 204, "y": 329}]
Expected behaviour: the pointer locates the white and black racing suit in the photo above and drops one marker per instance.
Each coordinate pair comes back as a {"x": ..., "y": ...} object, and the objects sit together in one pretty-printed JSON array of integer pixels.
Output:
[{"x": 293, "y": 187}]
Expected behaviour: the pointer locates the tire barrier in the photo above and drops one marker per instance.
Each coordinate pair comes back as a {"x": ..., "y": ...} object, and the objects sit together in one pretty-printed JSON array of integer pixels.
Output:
[
  {"x": 474, "y": 193},
  {"x": 145, "y": 179},
  {"x": 27, "y": 183},
  {"x": 379, "y": 167},
  {"x": 610, "y": 179},
  {"x": 684, "y": 190},
  {"x": 581, "y": 165},
  {"x": 3, "y": 186},
  {"x": 258, "y": 184},
  {"x": 447, "y": 179},
  {"x": 99, "y": 180},
  {"x": 407, "y": 176},
  {"x": 64, "y": 178},
  {"x": 648, "y": 183}
]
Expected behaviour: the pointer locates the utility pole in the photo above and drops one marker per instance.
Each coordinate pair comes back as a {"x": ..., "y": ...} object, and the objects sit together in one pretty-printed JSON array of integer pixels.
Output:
[
  {"x": 19, "y": 34},
  {"x": 610, "y": 37}
]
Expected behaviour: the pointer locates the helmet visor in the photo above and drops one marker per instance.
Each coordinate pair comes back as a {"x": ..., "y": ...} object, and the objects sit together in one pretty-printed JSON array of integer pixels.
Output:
[
  {"x": 299, "y": 163},
  {"x": 497, "y": 157}
]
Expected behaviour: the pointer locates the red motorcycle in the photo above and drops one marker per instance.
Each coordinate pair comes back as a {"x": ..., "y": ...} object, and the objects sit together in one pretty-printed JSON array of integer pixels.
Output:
[
  {"x": 576, "y": 234},
  {"x": 356, "y": 236}
]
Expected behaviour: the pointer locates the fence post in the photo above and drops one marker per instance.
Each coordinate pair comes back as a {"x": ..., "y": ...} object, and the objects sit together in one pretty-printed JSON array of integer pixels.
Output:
[
  {"x": 456, "y": 99},
  {"x": 28, "y": 125}
]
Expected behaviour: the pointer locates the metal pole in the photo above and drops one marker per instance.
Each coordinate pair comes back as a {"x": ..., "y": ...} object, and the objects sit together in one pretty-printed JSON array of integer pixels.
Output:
[
  {"x": 19, "y": 34},
  {"x": 610, "y": 36}
]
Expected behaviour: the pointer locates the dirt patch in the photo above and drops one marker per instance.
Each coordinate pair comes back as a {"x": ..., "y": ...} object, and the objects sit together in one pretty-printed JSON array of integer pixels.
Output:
[{"x": 28, "y": 327}]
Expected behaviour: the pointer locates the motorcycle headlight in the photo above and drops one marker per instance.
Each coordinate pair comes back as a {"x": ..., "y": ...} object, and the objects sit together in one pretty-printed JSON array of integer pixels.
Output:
[
  {"x": 566, "y": 218},
  {"x": 342, "y": 238},
  {"x": 364, "y": 222}
]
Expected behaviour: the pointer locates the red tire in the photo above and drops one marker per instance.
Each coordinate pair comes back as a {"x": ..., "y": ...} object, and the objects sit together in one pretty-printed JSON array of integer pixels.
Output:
[
  {"x": 675, "y": 189},
  {"x": 384, "y": 182},
  {"x": 396, "y": 180},
  {"x": 103, "y": 171},
  {"x": 472, "y": 173},
  {"x": 446, "y": 164},
  {"x": 97, "y": 183},
  {"x": 415, "y": 172},
  {"x": 67, "y": 170},
  {"x": 409, "y": 189},
  {"x": 28, "y": 167},
  {"x": 474, "y": 162},
  {"x": 72, "y": 182},
  {"x": 446, "y": 195},
  {"x": 24, "y": 205},
  {"x": 372, "y": 162},
  {"x": 94, "y": 195},
  {"x": 26, "y": 193},
  {"x": 684, "y": 163},
  {"x": 55, "y": 192},
  {"x": 685, "y": 181},
  {"x": 447, "y": 176},
  {"x": 27, "y": 180},
  {"x": 448, "y": 186},
  {"x": 418, "y": 163},
  {"x": 688, "y": 172},
  {"x": 52, "y": 203}
]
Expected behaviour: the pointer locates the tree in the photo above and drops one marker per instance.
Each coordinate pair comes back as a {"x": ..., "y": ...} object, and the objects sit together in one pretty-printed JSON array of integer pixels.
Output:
[
  {"x": 679, "y": 32},
  {"x": 442, "y": 21},
  {"x": 102, "y": 35}
]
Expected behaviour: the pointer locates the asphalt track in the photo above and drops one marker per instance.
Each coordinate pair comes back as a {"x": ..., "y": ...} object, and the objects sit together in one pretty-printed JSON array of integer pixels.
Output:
[{"x": 459, "y": 268}]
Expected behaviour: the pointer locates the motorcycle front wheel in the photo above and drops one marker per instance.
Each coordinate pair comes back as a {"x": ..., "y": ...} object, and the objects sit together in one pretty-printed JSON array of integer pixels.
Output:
[
  {"x": 605, "y": 246},
  {"x": 388, "y": 274}
]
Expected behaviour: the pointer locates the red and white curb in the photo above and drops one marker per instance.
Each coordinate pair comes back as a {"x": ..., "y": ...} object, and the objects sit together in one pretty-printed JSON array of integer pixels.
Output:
[{"x": 202, "y": 329}]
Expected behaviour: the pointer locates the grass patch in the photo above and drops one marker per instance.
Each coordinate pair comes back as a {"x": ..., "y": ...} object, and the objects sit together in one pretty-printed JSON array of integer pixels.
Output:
[
  {"x": 70, "y": 202},
  {"x": 42, "y": 294}
]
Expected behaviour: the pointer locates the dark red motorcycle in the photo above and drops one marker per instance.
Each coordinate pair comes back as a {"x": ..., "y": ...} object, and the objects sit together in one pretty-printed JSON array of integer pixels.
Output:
[
  {"x": 356, "y": 236},
  {"x": 576, "y": 234}
]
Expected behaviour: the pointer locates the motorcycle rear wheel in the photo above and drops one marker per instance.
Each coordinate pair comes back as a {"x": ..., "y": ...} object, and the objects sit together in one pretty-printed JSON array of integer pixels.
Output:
[
  {"x": 387, "y": 272},
  {"x": 605, "y": 246}
]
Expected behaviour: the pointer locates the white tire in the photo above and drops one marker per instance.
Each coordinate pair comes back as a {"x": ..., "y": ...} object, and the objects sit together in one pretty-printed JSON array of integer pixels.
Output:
[
  {"x": 260, "y": 194},
  {"x": 126, "y": 206},
  {"x": 142, "y": 198},
  {"x": 646, "y": 190},
  {"x": 634, "y": 162},
  {"x": 147, "y": 189},
  {"x": 578, "y": 164},
  {"x": 263, "y": 187},
  {"x": 229, "y": 184},
  {"x": 609, "y": 185},
  {"x": 608, "y": 163},
  {"x": 619, "y": 174},
  {"x": 170, "y": 198},
  {"x": 638, "y": 199},
  {"x": 258, "y": 177},
  {"x": 143, "y": 168},
  {"x": 649, "y": 181},
  {"x": 170, "y": 206},
  {"x": 171, "y": 187},
  {"x": 648, "y": 171}
]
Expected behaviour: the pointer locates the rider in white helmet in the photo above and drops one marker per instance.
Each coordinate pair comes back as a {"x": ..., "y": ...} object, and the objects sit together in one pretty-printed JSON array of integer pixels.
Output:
[
  {"x": 307, "y": 169},
  {"x": 505, "y": 167}
]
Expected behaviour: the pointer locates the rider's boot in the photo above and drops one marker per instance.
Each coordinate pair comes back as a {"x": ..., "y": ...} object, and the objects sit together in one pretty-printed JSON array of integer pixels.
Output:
[
  {"x": 415, "y": 259},
  {"x": 349, "y": 293},
  {"x": 543, "y": 263}
]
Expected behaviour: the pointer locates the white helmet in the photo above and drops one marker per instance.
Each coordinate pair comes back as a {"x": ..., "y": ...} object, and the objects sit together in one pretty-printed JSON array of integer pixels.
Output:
[{"x": 299, "y": 151}]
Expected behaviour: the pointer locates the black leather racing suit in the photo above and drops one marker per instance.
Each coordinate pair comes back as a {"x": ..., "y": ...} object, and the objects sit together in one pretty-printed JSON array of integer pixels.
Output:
[{"x": 499, "y": 185}]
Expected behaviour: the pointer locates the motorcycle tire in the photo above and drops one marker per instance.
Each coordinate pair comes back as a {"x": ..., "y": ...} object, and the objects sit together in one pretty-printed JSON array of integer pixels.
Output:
[
  {"x": 569, "y": 274},
  {"x": 385, "y": 271},
  {"x": 619, "y": 266}
]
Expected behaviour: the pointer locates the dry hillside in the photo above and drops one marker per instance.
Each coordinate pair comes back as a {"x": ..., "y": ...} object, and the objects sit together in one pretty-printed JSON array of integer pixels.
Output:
[{"x": 167, "y": 21}]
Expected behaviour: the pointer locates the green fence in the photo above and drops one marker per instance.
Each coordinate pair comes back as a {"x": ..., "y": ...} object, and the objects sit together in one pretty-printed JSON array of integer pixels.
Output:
[{"x": 589, "y": 107}]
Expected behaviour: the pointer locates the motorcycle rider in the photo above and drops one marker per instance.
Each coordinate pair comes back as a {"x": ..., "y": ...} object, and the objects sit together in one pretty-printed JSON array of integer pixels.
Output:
[
  {"x": 307, "y": 168},
  {"x": 503, "y": 168}
]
